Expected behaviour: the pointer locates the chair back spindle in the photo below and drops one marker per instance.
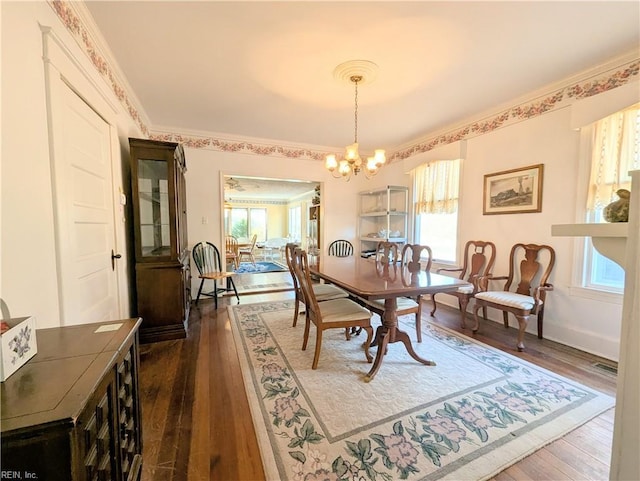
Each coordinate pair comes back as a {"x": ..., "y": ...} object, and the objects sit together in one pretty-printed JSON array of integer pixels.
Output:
[
  {"x": 340, "y": 248},
  {"x": 478, "y": 259}
]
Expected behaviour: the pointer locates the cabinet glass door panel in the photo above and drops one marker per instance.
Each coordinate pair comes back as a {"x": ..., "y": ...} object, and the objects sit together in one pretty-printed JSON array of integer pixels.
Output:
[{"x": 153, "y": 195}]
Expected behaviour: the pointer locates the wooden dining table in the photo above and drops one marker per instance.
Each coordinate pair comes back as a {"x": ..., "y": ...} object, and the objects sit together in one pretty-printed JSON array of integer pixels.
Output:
[{"x": 370, "y": 280}]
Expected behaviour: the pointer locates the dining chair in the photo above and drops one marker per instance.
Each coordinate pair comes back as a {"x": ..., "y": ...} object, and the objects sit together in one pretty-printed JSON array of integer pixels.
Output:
[
  {"x": 323, "y": 292},
  {"x": 478, "y": 260},
  {"x": 530, "y": 288},
  {"x": 340, "y": 248},
  {"x": 413, "y": 257},
  {"x": 232, "y": 253},
  {"x": 340, "y": 313},
  {"x": 247, "y": 252},
  {"x": 274, "y": 247},
  {"x": 206, "y": 257}
]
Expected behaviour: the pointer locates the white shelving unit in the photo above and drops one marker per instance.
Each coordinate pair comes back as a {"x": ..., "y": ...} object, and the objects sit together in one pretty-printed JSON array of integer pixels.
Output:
[{"x": 383, "y": 216}]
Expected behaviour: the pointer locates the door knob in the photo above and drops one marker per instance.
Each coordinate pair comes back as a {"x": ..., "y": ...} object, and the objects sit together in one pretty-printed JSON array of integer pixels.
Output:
[{"x": 114, "y": 256}]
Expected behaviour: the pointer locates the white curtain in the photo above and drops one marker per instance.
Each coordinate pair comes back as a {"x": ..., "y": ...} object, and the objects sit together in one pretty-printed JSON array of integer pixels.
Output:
[
  {"x": 437, "y": 186},
  {"x": 616, "y": 144}
]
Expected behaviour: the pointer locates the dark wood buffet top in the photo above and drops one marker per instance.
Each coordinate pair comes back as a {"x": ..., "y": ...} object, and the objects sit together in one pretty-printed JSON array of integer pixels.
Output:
[{"x": 54, "y": 386}]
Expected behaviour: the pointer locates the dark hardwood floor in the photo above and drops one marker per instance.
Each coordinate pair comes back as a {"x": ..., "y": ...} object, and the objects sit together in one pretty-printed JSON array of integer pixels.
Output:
[{"x": 197, "y": 425}]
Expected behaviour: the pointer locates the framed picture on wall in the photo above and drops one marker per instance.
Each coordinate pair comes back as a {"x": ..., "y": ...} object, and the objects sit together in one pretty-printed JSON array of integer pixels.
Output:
[{"x": 513, "y": 191}]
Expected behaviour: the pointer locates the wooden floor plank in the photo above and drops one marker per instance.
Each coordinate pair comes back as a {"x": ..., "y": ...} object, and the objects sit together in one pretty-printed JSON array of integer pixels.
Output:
[
  {"x": 589, "y": 467},
  {"x": 593, "y": 440},
  {"x": 158, "y": 367},
  {"x": 200, "y": 448},
  {"x": 237, "y": 455},
  {"x": 568, "y": 472},
  {"x": 535, "y": 467},
  {"x": 197, "y": 425},
  {"x": 503, "y": 476}
]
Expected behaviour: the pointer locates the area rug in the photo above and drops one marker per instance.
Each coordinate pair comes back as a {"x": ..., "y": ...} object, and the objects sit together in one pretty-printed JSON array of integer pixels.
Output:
[
  {"x": 258, "y": 288},
  {"x": 475, "y": 413},
  {"x": 249, "y": 268}
]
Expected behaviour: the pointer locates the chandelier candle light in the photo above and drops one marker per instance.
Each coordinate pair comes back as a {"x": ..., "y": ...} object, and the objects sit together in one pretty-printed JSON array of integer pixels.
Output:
[{"x": 357, "y": 72}]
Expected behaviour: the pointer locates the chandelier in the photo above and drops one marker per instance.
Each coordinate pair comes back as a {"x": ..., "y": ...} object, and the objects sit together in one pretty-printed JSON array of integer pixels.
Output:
[{"x": 352, "y": 163}]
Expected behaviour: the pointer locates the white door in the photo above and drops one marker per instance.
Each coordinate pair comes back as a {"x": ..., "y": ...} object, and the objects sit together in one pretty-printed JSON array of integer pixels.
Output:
[{"x": 85, "y": 215}]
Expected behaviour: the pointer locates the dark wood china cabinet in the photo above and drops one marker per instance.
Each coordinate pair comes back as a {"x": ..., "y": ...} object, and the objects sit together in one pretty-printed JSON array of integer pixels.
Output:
[{"x": 163, "y": 278}]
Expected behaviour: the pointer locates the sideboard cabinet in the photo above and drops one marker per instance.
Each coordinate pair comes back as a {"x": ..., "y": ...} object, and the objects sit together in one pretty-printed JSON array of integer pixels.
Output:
[
  {"x": 163, "y": 277},
  {"x": 72, "y": 412}
]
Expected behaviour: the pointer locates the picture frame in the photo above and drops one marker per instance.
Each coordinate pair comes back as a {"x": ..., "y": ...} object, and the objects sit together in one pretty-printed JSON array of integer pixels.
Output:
[{"x": 514, "y": 191}]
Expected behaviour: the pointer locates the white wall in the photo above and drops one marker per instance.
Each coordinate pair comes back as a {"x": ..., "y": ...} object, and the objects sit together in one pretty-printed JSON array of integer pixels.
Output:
[
  {"x": 339, "y": 198},
  {"x": 548, "y": 139},
  {"x": 589, "y": 321},
  {"x": 28, "y": 262},
  {"x": 29, "y": 284},
  {"x": 205, "y": 191},
  {"x": 27, "y": 257}
]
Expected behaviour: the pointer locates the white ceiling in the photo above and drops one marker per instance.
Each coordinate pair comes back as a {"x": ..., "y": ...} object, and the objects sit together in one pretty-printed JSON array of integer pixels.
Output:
[
  {"x": 265, "y": 69},
  {"x": 257, "y": 188}
]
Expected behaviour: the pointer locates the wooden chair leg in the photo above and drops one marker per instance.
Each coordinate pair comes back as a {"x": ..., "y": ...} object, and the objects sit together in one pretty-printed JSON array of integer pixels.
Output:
[
  {"x": 476, "y": 308},
  {"x": 305, "y": 338},
  {"x": 233, "y": 285},
  {"x": 505, "y": 318},
  {"x": 199, "y": 291},
  {"x": 296, "y": 312},
  {"x": 367, "y": 343},
  {"x": 316, "y": 354},
  {"x": 419, "y": 320},
  {"x": 540, "y": 320},
  {"x": 433, "y": 299},
  {"x": 522, "y": 326},
  {"x": 215, "y": 293},
  {"x": 463, "y": 301}
]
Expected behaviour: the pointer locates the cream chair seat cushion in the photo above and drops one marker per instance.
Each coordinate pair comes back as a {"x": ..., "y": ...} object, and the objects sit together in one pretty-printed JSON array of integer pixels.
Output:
[
  {"x": 465, "y": 290},
  {"x": 506, "y": 298},
  {"x": 403, "y": 303},
  {"x": 339, "y": 310},
  {"x": 325, "y": 292}
]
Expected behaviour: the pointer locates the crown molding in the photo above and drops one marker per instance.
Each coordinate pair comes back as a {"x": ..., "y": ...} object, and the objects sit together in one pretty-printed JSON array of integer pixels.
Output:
[
  {"x": 80, "y": 24},
  {"x": 612, "y": 74},
  {"x": 562, "y": 94},
  {"x": 240, "y": 144},
  {"x": 235, "y": 201}
]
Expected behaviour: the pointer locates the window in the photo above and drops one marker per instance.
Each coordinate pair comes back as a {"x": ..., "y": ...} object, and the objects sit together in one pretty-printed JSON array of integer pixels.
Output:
[
  {"x": 615, "y": 145},
  {"x": 436, "y": 192},
  {"x": 295, "y": 223},
  {"x": 243, "y": 223}
]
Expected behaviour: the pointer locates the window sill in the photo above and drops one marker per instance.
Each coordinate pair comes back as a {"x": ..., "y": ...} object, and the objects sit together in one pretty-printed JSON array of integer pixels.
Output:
[{"x": 596, "y": 294}]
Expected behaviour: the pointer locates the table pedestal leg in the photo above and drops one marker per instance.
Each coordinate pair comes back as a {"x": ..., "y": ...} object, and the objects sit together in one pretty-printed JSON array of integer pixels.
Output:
[{"x": 388, "y": 333}]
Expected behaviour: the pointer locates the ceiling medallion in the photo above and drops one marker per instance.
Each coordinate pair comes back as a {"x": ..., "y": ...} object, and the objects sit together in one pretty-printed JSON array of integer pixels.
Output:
[{"x": 357, "y": 72}]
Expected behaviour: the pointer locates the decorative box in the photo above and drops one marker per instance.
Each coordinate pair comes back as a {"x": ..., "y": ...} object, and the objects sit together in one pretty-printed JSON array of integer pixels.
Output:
[{"x": 18, "y": 344}]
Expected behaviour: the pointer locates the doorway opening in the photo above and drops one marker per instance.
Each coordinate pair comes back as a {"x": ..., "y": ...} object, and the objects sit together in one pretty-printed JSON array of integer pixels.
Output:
[{"x": 275, "y": 211}]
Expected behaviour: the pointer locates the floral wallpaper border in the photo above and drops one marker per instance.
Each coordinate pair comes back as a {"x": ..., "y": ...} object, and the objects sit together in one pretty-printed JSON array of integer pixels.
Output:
[
  {"x": 586, "y": 88},
  {"x": 74, "y": 25}
]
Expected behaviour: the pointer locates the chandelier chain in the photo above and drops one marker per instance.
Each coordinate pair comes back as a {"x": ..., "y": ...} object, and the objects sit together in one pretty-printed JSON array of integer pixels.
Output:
[
  {"x": 356, "y": 79},
  {"x": 352, "y": 163}
]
